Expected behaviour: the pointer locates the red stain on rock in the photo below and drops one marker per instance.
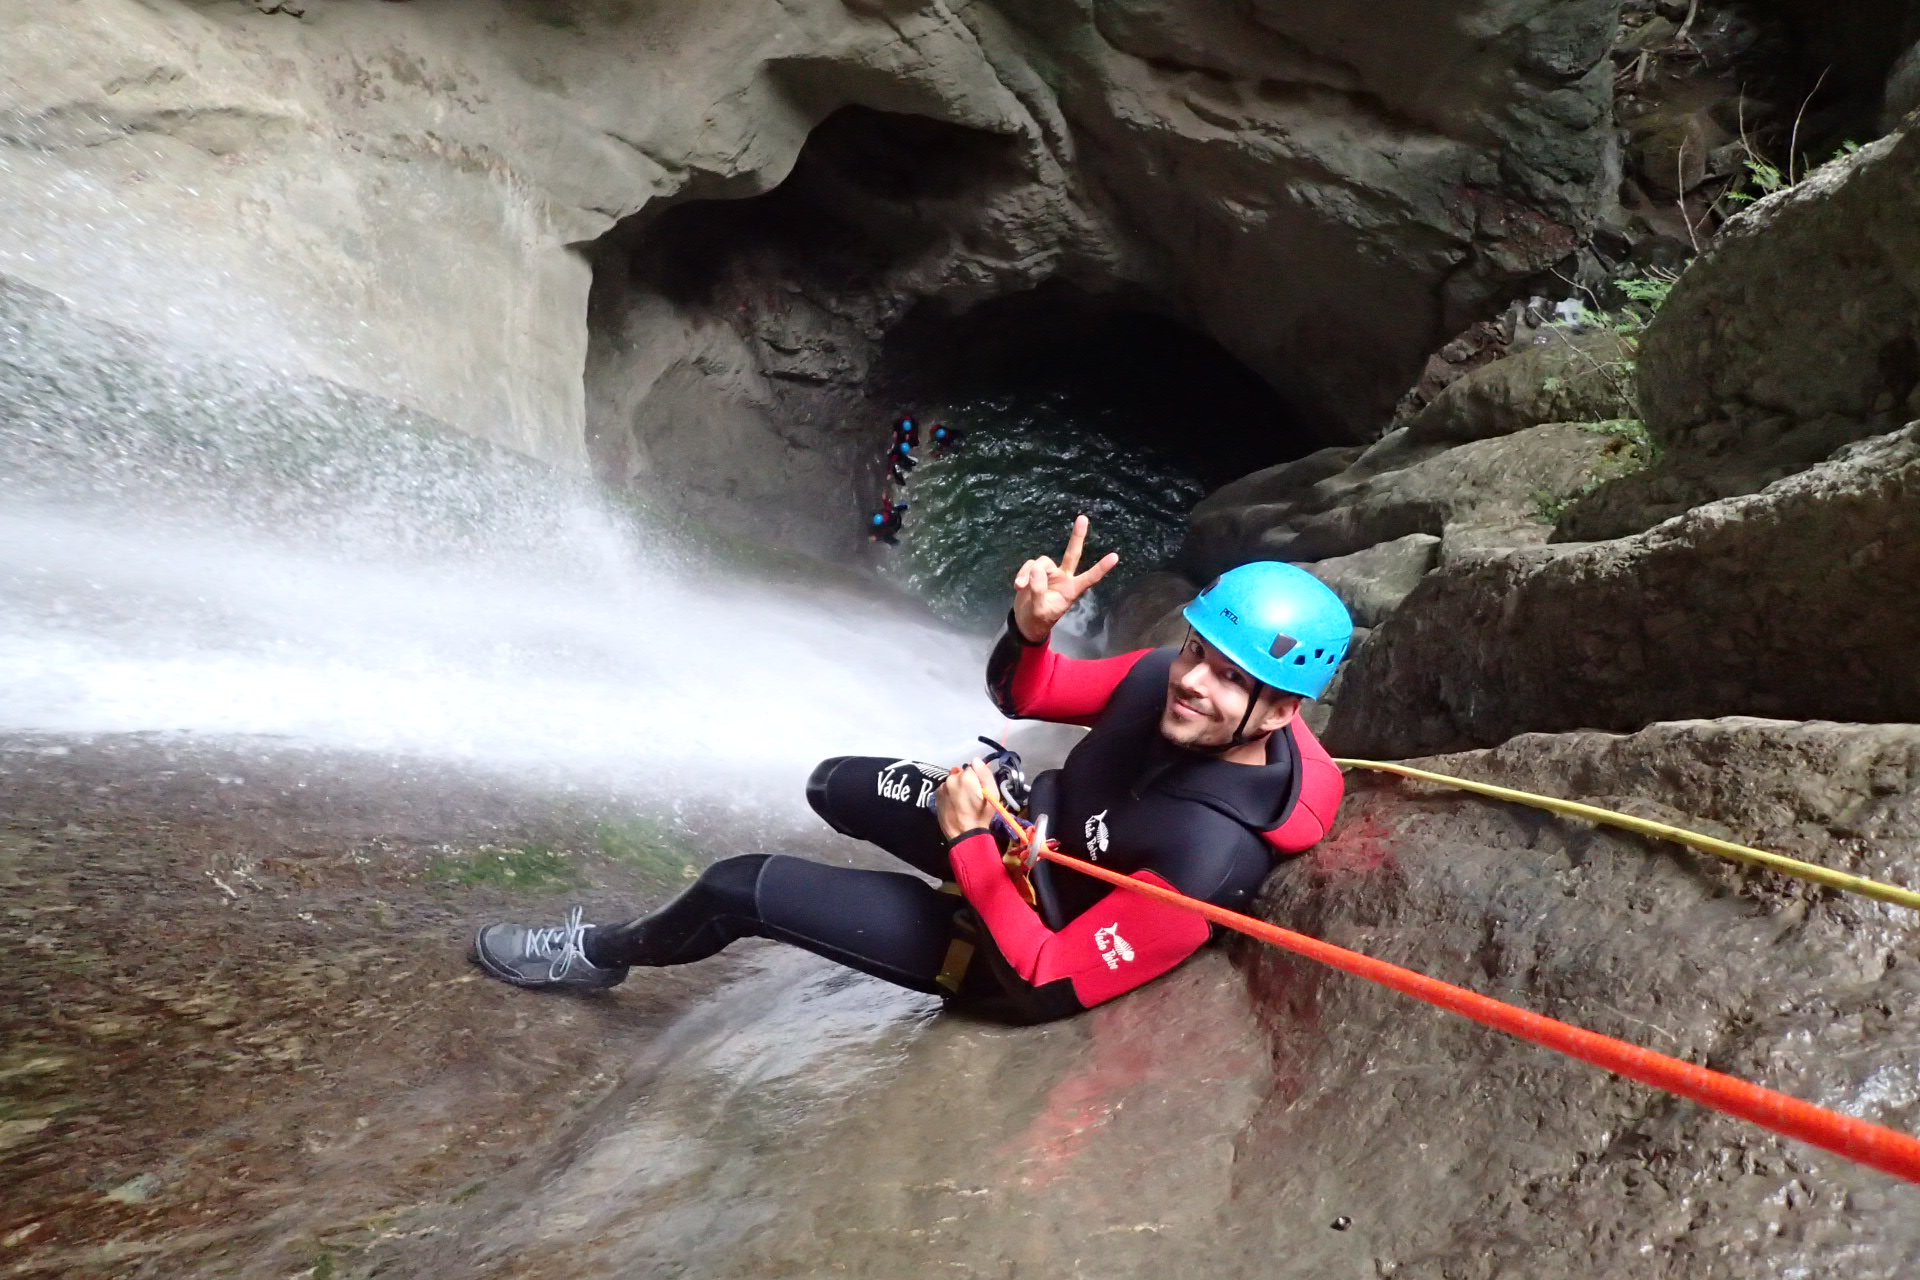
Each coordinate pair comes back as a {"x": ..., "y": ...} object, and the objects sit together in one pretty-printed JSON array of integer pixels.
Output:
[
  {"x": 1360, "y": 844},
  {"x": 1515, "y": 235}
]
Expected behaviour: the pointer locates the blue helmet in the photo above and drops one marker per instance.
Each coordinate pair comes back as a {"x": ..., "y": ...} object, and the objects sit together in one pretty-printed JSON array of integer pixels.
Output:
[
  {"x": 879, "y": 518},
  {"x": 1279, "y": 624}
]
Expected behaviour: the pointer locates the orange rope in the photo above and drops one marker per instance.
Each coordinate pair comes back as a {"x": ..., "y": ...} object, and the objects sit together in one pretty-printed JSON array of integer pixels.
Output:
[{"x": 1885, "y": 1149}]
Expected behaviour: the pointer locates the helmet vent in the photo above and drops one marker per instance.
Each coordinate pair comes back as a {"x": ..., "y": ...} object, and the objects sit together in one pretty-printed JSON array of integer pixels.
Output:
[{"x": 1281, "y": 645}]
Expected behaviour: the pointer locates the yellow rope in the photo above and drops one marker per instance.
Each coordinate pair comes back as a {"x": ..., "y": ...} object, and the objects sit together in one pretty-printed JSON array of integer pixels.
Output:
[{"x": 1725, "y": 848}]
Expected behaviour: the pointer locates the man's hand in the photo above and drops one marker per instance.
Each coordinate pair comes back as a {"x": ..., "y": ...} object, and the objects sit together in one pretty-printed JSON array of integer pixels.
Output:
[
  {"x": 1043, "y": 591},
  {"x": 962, "y": 805}
]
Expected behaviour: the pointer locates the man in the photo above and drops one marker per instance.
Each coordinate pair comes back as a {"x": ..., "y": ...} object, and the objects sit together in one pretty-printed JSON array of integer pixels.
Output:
[
  {"x": 901, "y": 462},
  {"x": 1196, "y": 773},
  {"x": 945, "y": 439},
  {"x": 884, "y": 525}
]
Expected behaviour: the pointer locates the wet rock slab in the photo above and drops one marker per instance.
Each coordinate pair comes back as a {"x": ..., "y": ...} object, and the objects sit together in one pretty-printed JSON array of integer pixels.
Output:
[
  {"x": 308, "y": 1086},
  {"x": 815, "y": 1123},
  {"x": 239, "y": 1034},
  {"x": 1462, "y": 1153},
  {"x": 1269, "y": 1118}
]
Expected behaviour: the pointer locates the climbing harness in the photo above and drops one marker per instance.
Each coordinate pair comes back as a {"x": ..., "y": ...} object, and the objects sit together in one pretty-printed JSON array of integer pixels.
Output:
[
  {"x": 1692, "y": 839},
  {"x": 960, "y": 949},
  {"x": 1871, "y": 1144}
]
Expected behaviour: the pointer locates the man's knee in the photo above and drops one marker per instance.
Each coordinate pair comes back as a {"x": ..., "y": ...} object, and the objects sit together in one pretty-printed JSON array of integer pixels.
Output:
[
  {"x": 817, "y": 792},
  {"x": 731, "y": 886}
]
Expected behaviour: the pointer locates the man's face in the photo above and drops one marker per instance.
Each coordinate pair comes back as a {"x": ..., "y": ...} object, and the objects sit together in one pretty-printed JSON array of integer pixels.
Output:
[{"x": 1207, "y": 696}]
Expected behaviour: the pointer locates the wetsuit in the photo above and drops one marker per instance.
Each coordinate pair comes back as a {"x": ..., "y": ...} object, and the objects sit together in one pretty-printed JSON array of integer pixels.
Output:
[
  {"x": 901, "y": 462},
  {"x": 884, "y": 525},
  {"x": 1125, "y": 798}
]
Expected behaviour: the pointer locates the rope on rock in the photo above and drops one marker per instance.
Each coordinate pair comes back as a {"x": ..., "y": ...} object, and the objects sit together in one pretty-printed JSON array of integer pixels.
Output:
[
  {"x": 1646, "y": 827},
  {"x": 1871, "y": 1144}
]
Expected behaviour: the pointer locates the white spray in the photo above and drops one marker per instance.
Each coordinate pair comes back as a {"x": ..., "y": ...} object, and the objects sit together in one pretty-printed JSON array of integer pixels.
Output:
[{"x": 190, "y": 543}]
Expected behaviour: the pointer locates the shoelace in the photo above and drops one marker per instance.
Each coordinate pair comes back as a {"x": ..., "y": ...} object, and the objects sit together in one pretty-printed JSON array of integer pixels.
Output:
[{"x": 566, "y": 939}]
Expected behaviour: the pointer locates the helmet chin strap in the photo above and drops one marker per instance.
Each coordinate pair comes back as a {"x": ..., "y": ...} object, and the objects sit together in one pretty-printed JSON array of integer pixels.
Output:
[{"x": 1239, "y": 737}]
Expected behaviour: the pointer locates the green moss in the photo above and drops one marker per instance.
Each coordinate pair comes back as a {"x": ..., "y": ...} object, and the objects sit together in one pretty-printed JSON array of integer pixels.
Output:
[
  {"x": 1640, "y": 449},
  {"x": 1548, "y": 506},
  {"x": 1637, "y": 450},
  {"x": 534, "y": 868},
  {"x": 651, "y": 847}
]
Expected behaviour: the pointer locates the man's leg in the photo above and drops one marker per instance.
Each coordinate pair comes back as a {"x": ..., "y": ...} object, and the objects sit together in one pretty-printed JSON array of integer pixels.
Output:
[
  {"x": 884, "y": 802},
  {"x": 892, "y": 926}
]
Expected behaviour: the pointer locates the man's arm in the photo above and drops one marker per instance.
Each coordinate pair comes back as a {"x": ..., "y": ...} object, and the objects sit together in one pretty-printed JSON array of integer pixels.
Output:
[
  {"x": 1123, "y": 941},
  {"x": 1030, "y": 681},
  {"x": 1025, "y": 677}
]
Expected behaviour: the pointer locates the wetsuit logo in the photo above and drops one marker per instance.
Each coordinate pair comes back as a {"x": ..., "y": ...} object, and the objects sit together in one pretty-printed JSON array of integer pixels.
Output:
[
  {"x": 1096, "y": 831},
  {"x": 909, "y": 782},
  {"x": 1113, "y": 947}
]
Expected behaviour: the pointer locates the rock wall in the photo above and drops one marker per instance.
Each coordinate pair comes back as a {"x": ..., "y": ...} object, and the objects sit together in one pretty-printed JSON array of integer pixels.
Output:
[
  {"x": 1791, "y": 339},
  {"x": 1794, "y": 334},
  {"x": 1802, "y": 601},
  {"x": 1746, "y": 549},
  {"x": 1459, "y": 1152},
  {"x": 395, "y": 195}
]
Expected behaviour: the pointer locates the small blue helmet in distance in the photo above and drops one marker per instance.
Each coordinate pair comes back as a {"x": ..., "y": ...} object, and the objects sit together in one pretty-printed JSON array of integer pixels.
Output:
[
  {"x": 879, "y": 518},
  {"x": 1279, "y": 624}
]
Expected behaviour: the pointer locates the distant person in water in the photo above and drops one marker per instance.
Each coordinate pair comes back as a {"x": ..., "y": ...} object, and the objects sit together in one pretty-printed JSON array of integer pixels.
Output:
[
  {"x": 901, "y": 462},
  {"x": 906, "y": 431},
  {"x": 945, "y": 440},
  {"x": 884, "y": 525},
  {"x": 1197, "y": 773}
]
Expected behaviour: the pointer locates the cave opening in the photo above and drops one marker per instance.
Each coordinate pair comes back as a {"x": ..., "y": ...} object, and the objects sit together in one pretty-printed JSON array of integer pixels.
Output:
[
  {"x": 1829, "y": 70},
  {"x": 749, "y": 351},
  {"x": 869, "y": 192},
  {"x": 1115, "y": 358},
  {"x": 1069, "y": 402}
]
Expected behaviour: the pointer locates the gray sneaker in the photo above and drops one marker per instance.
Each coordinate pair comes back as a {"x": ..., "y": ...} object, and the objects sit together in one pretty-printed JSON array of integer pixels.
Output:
[{"x": 553, "y": 956}]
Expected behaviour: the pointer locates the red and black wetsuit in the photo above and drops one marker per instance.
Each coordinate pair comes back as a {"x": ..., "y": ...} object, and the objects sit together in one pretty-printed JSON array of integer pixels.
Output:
[
  {"x": 885, "y": 524},
  {"x": 1134, "y": 803},
  {"x": 1125, "y": 799}
]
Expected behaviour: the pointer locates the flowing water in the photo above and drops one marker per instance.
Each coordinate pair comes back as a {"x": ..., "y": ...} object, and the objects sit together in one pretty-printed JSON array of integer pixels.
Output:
[
  {"x": 1028, "y": 464},
  {"x": 193, "y": 546}
]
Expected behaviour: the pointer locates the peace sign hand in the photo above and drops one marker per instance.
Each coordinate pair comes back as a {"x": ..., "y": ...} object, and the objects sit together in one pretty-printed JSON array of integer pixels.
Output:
[{"x": 1043, "y": 591}]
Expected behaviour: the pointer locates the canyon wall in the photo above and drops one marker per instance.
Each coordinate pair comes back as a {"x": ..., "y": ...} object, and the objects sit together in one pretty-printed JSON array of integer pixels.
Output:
[{"x": 411, "y": 198}]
